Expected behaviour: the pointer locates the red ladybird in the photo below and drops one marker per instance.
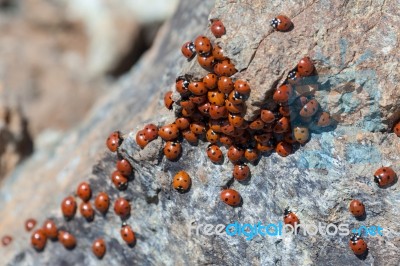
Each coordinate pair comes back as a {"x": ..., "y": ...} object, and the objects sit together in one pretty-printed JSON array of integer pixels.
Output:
[
  {"x": 217, "y": 112},
  {"x": 396, "y": 129},
  {"x": 172, "y": 150},
  {"x": 227, "y": 128},
  {"x": 357, "y": 208},
  {"x": 188, "y": 50},
  {"x": 197, "y": 88},
  {"x": 83, "y": 191},
  {"x": 324, "y": 120},
  {"x": 102, "y": 202},
  {"x": 358, "y": 245},
  {"x": 68, "y": 207},
  {"x": 182, "y": 123},
  {"x": 385, "y": 176},
  {"x": 124, "y": 167},
  {"x": 99, "y": 248},
  {"x": 119, "y": 180},
  {"x": 257, "y": 124},
  {"x": 309, "y": 109},
  {"x": 206, "y": 61},
  {"x": 122, "y": 207},
  {"x": 216, "y": 98},
  {"x": 150, "y": 132},
  {"x": 242, "y": 86},
  {"x": 230, "y": 197},
  {"x": 202, "y": 45},
  {"x": 127, "y": 234},
  {"x": 233, "y": 108},
  {"x": 198, "y": 99},
  {"x": 214, "y": 153},
  {"x": 284, "y": 110},
  {"x": 267, "y": 116},
  {"x": 225, "y": 68},
  {"x": 225, "y": 85},
  {"x": 305, "y": 67},
  {"x": 281, "y": 23},
  {"x": 168, "y": 100},
  {"x": 283, "y": 149},
  {"x": 6, "y": 240},
  {"x": 141, "y": 139},
  {"x": 198, "y": 128},
  {"x": 210, "y": 81},
  {"x": 290, "y": 218},
  {"x": 217, "y": 28},
  {"x": 30, "y": 224},
  {"x": 50, "y": 229},
  {"x": 235, "y": 153},
  {"x": 235, "y": 97},
  {"x": 212, "y": 136},
  {"x": 38, "y": 239},
  {"x": 86, "y": 210},
  {"x": 182, "y": 85},
  {"x": 241, "y": 172},
  {"x": 169, "y": 132},
  {"x": 181, "y": 182},
  {"x": 190, "y": 136},
  {"x": 114, "y": 141},
  {"x": 283, "y": 94},
  {"x": 236, "y": 120},
  {"x": 67, "y": 239},
  {"x": 282, "y": 125},
  {"x": 226, "y": 140},
  {"x": 218, "y": 53},
  {"x": 251, "y": 154}
]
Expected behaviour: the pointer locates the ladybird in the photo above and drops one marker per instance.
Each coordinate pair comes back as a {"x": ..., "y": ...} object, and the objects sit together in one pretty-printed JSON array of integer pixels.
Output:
[
  {"x": 169, "y": 132},
  {"x": 251, "y": 154},
  {"x": 358, "y": 245},
  {"x": 267, "y": 116},
  {"x": 310, "y": 108},
  {"x": 127, "y": 234},
  {"x": 83, "y": 191},
  {"x": 206, "y": 62},
  {"x": 293, "y": 77},
  {"x": 198, "y": 127},
  {"x": 233, "y": 108},
  {"x": 301, "y": 134},
  {"x": 168, "y": 100},
  {"x": 283, "y": 149},
  {"x": 38, "y": 239},
  {"x": 99, "y": 248},
  {"x": 182, "y": 85},
  {"x": 198, "y": 99},
  {"x": 215, "y": 125},
  {"x": 212, "y": 136},
  {"x": 86, "y": 210},
  {"x": 284, "y": 110},
  {"x": 263, "y": 138},
  {"x": 257, "y": 124},
  {"x": 202, "y": 45},
  {"x": 182, "y": 123},
  {"x": 217, "y": 112},
  {"x": 217, "y": 28},
  {"x": 235, "y": 153},
  {"x": 225, "y": 140},
  {"x": 122, "y": 207},
  {"x": 141, "y": 139},
  {"x": 214, "y": 153},
  {"x": 324, "y": 119},
  {"x": 119, "y": 180},
  {"x": 230, "y": 197},
  {"x": 265, "y": 147},
  {"x": 235, "y": 97},
  {"x": 283, "y": 94},
  {"x": 225, "y": 84},
  {"x": 236, "y": 120},
  {"x": 396, "y": 129},
  {"x": 124, "y": 167},
  {"x": 281, "y": 23},
  {"x": 190, "y": 136},
  {"x": 50, "y": 229},
  {"x": 290, "y": 217},
  {"x": 288, "y": 137},
  {"x": 305, "y": 67},
  {"x": 67, "y": 239},
  {"x": 241, "y": 172},
  {"x": 282, "y": 125},
  {"x": 30, "y": 224},
  {"x": 114, "y": 141},
  {"x": 216, "y": 98},
  {"x": 188, "y": 105},
  {"x": 68, "y": 207},
  {"x": 197, "y": 88},
  {"x": 172, "y": 150},
  {"x": 242, "y": 86},
  {"x": 181, "y": 182},
  {"x": 188, "y": 50},
  {"x": 225, "y": 68},
  {"x": 357, "y": 208},
  {"x": 6, "y": 240},
  {"x": 218, "y": 53},
  {"x": 385, "y": 176},
  {"x": 204, "y": 108},
  {"x": 102, "y": 202},
  {"x": 227, "y": 128},
  {"x": 150, "y": 132}
]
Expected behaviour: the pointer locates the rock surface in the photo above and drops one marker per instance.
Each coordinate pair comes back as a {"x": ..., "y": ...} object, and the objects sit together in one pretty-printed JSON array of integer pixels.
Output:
[{"x": 358, "y": 83}]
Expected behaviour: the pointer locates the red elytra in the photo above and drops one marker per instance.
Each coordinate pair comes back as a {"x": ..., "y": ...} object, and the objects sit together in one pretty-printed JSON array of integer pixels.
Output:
[
  {"x": 257, "y": 124},
  {"x": 122, "y": 207},
  {"x": 124, "y": 167},
  {"x": 212, "y": 136},
  {"x": 198, "y": 127},
  {"x": 204, "y": 108},
  {"x": 206, "y": 62},
  {"x": 290, "y": 218},
  {"x": 217, "y": 112},
  {"x": 284, "y": 110},
  {"x": 226, "y": 140},
  {"x": 324, "y": 120},
  {"x": 50, "y": 229},
  {"x": 181, "y": 181},
  {"x": 283, "y": 94},
  {"x": 227, "y": 128},
  {"x": 233, "y": 108},
  {"x": 251, "y": 154},
  {"x": 172, "y": 150},
  {"x": 168, "y": 100},
  {"x": 99, "y": 248},
  {"x": 169, "y": 132},
  {"x": 83, "y": 191},
  {"x": 385, "y": 176},
  {"x": 236, "y": 120},
  {"x": 68, "y": 207},
  {"x": 6, "y": 240},
  {"x": 241, "y": 172},
  {"x": 67, "y": 239},
  {"x": 202, "y": 45},
  {"x": 217, "y": 28},
  {"x": 86, "y": 210},
  {"x": 396, "y": 129},
  {"x": 30, "y": 224},
  {"x": 190, "y": 136},
  {"x": 182, "y": 123},
  {"x": 197, "y": 88},
  {"x": 283, "y": 149},
  {"x": 225, "y": 68},
  {"x": 127, "y": 234},
  {"x": 218, "y": 53},
  {"x": 267, "y": 116},
  {"x": 114, "y": 141},
  {"x": 141, "y": 139},
  {"x": 242, "y": 86},
  {"x": 38, "y": 239},
  {"x": 357, "y": 245},
  {"x": 214, "y": 153},
  {"x": 150, "y": 132},
  {"x": 281, "y": 23},
  {"x": 210, "y": 81},
  {"x": 309, "y": 109},
  {"x": 357, "y": 208},
  {"x": 216, "y": 98},
  {"x": 199, "y": 99},
  {"x": 230, "y": 197},
  {"x": 188, "y": 49},
  {"x": 102, "y": 202},
  {"x": 305, "y": 67},
  {"x": 182, "y": 85},
  {"x": 235, "y": 153},
  {"x": 282, "y": 125},
  {"x": 225, "y": 85}
]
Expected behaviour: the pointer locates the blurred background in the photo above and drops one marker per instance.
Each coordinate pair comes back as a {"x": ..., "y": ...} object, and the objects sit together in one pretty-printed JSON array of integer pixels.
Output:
[{"x": 57, "y": 57}]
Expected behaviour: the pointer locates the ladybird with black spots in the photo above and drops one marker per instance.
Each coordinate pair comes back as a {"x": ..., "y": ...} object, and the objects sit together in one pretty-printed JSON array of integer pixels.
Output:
[
  {"x": 122, "y": 208},
  {"x": 181, "y": 182},
  {"x": 67, "y": 239},
  {"x": 357, "y": 208},
  {"x": 68, "y": 207},
  {"x": 99, "y": 248},
  {"x": 231, "y": 197},
  {"x": 214, "y": 153},
  {"x": 385, "y": 176},
  {"x": 38, "y": 239},
  {"x": 217, "y": 28},
  {"x": 358, "y": 245},
  {"x": 281, "y": 23},
  {"x": 241, "y": 172},
  {"x": 127, "y": 234},
  {"x": 114, "y": 140},
  {"x": 290, "y": 217},
  {"x": 102, "y": 202},
  {"x": 83, "y": 191},
  {"x": 172, "y": 150}
]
